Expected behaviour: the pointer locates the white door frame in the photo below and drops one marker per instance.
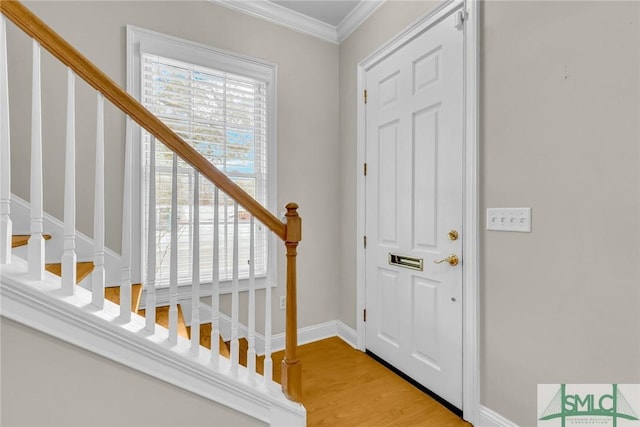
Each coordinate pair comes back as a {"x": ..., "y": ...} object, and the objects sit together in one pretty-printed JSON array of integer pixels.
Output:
[{"x": 471, "y": 212}]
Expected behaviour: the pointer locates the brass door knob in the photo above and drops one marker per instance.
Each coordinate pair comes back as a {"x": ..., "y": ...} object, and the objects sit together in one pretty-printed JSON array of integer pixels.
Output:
[
  {"x": 451, "y": 259},
  {"x": 453, "y": 235}
]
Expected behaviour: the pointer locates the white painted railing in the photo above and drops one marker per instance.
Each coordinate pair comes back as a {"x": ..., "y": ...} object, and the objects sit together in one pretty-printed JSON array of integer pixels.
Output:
[
  {"x": 69, "y": 258},
  {"x": 36, "y": 241},
  {"x": 36, "y": 246},
  {"x": 36, "y": 252},
  {"x": 251, "y": 351},
  {"x": 195, "y": 275},
  {"x": 150, "y": 285},
  {"x": 6, "y": 228},
  {"x": 235, "y": 344},
  {"x": 268, "y": 364},
  {"x": 125, "y": 282},
  {"x": 97, "y": 284},
  {"x": 173, "y": 272},
  {"x": 215, "y": 281}
]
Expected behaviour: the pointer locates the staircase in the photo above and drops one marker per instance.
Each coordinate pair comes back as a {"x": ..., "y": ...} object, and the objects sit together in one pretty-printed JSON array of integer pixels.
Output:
[
  {"x": 83, "y": 269},
  {"x": 72, "y": 301}
]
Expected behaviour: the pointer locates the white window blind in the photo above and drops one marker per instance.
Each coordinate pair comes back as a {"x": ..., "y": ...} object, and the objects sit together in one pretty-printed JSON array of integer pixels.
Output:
[{"x": 224, "y": 117}]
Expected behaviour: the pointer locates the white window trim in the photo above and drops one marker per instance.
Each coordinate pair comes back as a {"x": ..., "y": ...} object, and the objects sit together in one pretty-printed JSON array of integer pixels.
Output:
[{"x": 200, "y": 54}]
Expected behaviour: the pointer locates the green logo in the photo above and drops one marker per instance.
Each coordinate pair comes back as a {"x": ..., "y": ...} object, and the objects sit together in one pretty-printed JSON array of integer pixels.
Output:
[{"x": 586, "y": 406}]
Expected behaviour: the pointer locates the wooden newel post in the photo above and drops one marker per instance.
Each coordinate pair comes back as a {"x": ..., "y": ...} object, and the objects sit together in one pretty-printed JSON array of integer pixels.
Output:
[{"x": 291, "y": 367}]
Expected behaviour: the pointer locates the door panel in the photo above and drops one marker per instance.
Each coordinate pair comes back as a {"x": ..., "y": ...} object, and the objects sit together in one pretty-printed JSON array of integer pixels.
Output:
[
  {"x": 424, "y": 309},
  {"x": 425, "y": 172},
  {"x": 388, "y": 184},
  {"x": 388, "y": 325},
  {"x": 413, "y": 196}
]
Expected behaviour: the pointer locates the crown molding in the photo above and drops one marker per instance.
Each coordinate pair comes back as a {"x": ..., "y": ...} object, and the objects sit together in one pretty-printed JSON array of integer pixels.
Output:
[
  {"x": 357, "y": 16},
  {"x": 280, "y": 15}
]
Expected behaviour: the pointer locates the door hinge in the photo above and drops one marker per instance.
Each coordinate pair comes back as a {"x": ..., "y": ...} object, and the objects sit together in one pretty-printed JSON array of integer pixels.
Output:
[
  {"x": 365, "y": 169},
  {"x": 365, "y": 96},
  {"x": 461, "y": 18},
  {"x": 365, "y": 315},
  {"x": 365, "y": 242}
]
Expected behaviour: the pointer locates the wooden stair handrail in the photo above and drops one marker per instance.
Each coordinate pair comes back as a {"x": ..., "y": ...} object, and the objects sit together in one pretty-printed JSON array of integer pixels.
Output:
[
  {"x": 28, "y": 22},
  {"x": 289, "y": 232}
]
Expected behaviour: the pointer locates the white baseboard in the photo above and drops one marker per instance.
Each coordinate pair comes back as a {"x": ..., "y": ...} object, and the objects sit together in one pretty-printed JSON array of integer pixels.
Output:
[
  {"x": 315, "y": 333},
  {"x": 347, "y": 334},
  {"x": 20, "y": 215},
  {"x": 306, "y": 335},
  {"x": 489, "y": 418}
]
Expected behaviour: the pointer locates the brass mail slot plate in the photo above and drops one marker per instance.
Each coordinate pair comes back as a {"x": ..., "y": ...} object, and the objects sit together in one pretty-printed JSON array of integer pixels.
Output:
[{"x": 406, "y": 261}]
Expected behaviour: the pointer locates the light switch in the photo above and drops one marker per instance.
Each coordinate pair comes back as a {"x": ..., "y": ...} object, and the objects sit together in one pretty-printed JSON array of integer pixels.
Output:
[{"x": 509, "y": 219}]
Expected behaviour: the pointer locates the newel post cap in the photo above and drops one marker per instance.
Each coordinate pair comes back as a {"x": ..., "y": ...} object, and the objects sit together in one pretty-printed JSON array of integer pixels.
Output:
[{"x": 294, "y": 223}]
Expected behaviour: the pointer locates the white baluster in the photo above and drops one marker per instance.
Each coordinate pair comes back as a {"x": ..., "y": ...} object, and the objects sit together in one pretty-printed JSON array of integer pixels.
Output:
[
  {"x": 173, "y": 272},
  {"x": 195, "y": 278},
  {"x": 251, "y": 352},
  {"x": 150, "y": 310},
  {"x": 125, "y": 278},
  {"x": 215, "y": 283},
  {"x": 235, "y": 345},
  {"x": 35, "y": 247},
  {"x": 6, "y": 226},
  {"x": 97, "y": 279},
  {"x": 268, "y": 363},
  {"x": 69, "y": 254}
]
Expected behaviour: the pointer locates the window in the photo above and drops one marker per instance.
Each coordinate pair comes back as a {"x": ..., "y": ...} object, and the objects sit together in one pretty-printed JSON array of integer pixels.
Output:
[{"x": 222, "y": 105}]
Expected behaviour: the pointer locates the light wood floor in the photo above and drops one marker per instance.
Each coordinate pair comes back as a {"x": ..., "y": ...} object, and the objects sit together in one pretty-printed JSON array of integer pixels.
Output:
[{"x": 345, "y": 387}]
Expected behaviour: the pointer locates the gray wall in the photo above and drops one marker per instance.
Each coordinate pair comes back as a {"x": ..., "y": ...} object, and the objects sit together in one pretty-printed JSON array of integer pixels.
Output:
[
  {"x": 307, "y": 121},
  {"x": 560, "y": 132},
  {"x": 47, "y": 382},
  {"x": 560, "y": 127}
]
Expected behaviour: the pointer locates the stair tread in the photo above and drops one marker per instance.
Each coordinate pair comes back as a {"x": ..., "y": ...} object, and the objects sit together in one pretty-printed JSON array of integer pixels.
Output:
[
  {"x": 83, "y": 269},
  {"x": 18, "y": 240},
  {"x": 162, "y": 319},
  {"x": 205, "y": 339},
  {"x": 243, "y": 345},
  {"x": 113, "y": 295},
  {"x": 243, "y": 348}
]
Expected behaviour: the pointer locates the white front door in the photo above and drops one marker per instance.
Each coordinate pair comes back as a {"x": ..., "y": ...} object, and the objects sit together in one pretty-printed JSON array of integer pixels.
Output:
[{"x": 414, "y": 195}]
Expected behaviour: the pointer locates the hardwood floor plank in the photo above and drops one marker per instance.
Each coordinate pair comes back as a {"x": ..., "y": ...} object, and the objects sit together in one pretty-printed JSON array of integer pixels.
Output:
[{"x": 345, "y": 387}]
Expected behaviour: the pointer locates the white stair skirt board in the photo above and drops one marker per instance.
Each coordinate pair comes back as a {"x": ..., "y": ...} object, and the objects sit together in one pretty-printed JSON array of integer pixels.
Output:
[
  {"x": 488, "y": 418},
  {"x": 54, "y": 248},
  {"x": 306, "y": 335},
  {"x": 40, "y": 305}
]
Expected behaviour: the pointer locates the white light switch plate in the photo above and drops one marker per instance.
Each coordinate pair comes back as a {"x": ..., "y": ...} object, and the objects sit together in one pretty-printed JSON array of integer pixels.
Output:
[{"x": 509, "y": 219}]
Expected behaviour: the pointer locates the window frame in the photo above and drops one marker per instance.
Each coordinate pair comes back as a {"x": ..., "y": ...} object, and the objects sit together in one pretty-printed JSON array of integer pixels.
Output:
[{"x": 151, "y": 42}]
